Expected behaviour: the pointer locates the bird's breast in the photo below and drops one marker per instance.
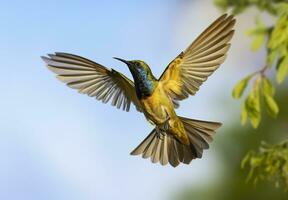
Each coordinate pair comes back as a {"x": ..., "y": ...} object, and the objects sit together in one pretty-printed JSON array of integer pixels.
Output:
[
  {"x": 144, "y": 87},
  {"x": 157, "y": 107}
]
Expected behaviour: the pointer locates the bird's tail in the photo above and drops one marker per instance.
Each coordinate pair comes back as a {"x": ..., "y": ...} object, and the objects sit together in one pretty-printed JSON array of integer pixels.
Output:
[{"x": 164, "y": 147}]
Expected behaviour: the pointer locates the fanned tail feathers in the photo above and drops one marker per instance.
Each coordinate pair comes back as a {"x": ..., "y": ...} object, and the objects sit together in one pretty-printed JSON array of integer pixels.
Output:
[{"x": 165, "y": 148}]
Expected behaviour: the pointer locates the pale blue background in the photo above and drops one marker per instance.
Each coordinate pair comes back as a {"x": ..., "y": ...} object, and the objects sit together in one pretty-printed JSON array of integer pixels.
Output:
[{"x": 57, "y": 144}]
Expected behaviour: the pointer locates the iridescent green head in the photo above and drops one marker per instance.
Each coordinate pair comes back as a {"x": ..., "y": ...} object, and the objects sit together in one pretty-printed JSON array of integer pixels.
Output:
[
  {"x": 144, "y": 80},
  {"x": 137, "y": 67}
]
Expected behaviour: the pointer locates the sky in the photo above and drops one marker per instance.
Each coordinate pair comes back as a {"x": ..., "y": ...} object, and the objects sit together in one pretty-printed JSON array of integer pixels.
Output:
[{"x": 58, "y": 144}]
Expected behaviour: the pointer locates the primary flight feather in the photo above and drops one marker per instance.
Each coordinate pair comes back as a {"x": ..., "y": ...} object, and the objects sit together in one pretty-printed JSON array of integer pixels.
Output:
[{"x": 175, "y": 139}]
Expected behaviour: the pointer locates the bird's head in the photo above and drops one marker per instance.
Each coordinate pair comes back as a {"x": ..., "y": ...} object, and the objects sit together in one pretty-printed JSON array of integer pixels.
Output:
[{"x": 138, "y": 68}]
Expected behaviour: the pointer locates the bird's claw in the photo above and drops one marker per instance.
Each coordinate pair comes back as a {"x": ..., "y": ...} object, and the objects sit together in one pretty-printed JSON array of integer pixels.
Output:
[
  {"x": 166, "y": 124},
  {"x": 161, "y": 135},
  {"x": 162, "y": 130}
]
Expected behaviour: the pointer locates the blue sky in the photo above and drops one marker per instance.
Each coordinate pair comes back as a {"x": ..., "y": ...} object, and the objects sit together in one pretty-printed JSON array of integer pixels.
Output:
[{"x": 57, "y": 144}]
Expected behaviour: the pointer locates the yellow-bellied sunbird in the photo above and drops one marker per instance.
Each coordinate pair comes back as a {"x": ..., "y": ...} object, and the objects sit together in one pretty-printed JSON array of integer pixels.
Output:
[{"x": 175, "y": 139}]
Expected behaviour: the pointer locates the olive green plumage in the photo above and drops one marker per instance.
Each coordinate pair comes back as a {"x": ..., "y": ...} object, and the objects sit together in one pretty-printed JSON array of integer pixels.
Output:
[{"x": 175, "y": 139}]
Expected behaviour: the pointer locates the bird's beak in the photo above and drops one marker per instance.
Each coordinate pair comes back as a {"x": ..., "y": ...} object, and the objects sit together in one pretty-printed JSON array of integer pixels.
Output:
[{"x": 122, "y": 60}]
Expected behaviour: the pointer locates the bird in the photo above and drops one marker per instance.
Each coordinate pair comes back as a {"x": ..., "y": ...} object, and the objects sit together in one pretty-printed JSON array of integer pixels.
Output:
[{"x": 174, "y": 139}]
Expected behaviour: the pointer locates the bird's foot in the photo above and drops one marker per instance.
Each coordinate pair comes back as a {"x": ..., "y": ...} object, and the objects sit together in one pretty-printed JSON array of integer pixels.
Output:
[
  {"x": 161, "y": 135},
  {"x": 161, "y": 132},
  {"x": 166, "y": 124}
]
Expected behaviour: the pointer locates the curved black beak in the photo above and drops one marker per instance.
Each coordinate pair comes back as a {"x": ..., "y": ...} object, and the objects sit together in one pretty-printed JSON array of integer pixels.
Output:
[{"x": 122, "y": 60}]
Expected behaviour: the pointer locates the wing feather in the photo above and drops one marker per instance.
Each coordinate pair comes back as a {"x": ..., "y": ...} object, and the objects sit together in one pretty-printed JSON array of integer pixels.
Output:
[
  {"x": 93, "y": 79},
  {"x": 186, "y": 73}
]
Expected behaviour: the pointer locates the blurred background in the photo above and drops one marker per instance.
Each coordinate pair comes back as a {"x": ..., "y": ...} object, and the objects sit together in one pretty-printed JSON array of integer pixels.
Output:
[{"x": 58, "y": 144}]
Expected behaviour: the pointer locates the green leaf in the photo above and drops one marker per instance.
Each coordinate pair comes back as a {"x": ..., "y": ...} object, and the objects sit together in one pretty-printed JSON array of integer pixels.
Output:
[
  {"x": 244, "y": 115},
  {"x": 267, "y": 87},
  {"x": 269, "y": 163},
  {"x": 282, "y": 70},
  {"x": 255, "y": 120},
  {"x": 245, "y": 160},
  {"x": 282, "y": 8},
  {"x": 279, "y": 38},
  {"x": 257, "y": 42},
  {"x": 271, "y": 106},
  {"x": 252, "y": 104},
  {"x": 240, "y": 87},
  {"x": 271, "y": 57}
]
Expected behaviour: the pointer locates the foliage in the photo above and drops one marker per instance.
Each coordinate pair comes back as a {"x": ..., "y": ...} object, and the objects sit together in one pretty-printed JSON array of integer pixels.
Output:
[
  {"x": 275, "y": 39},
  {"x": 240, "y": 6},
  {"x": 269, "y": 163},
  {"x": 263, "y": 93}
]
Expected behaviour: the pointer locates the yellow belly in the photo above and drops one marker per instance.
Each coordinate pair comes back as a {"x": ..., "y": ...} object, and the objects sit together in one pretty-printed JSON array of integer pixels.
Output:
[{"x": 158, "y": 107}]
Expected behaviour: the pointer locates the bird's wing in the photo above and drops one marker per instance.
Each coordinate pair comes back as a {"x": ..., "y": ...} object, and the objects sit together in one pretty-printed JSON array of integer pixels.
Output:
[
  {"x": 93, "y": 79},
  {"x": 191, "y": 68}
]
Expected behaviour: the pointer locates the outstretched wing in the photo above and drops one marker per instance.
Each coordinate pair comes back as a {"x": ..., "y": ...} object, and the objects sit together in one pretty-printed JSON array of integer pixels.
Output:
[
  {"x": 93, "y": 79},
  {"x": 185, "y": 74}
]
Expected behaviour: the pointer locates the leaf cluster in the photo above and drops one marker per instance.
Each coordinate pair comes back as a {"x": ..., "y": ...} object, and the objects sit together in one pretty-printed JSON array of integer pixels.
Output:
[
  {"x": 278, "y": 43},
  {"x": 275, "y": 40},
  {"x": 269, "y": 163},
  {"x": 239, "y": 6},
  {"x": 261, "y": 93}
]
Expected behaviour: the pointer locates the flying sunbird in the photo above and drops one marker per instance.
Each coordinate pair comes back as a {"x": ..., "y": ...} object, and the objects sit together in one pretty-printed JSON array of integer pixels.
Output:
[{"x": 174, "y": 139}]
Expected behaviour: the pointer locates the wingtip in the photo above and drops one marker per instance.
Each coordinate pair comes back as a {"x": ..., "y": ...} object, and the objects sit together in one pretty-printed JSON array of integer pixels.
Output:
[
  {"x": 224, "y": 15},
  {"x": 59, "y": 53},
  {"x": 50, "y": 54},
  {"x": 227, "y": 16},
  {"x": 45, "y": 59},
  {"x": 232, "y": 18},
  {"x": 135, "y": 152},
  {"x": 218, "y": 125}
]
